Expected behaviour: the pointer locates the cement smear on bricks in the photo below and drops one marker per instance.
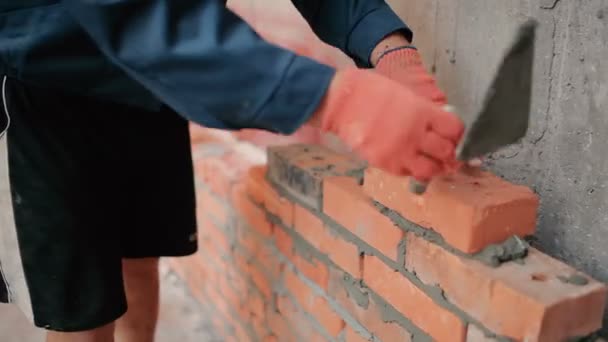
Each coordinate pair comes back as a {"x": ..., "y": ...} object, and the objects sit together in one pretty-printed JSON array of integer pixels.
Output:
[
  {"x": 355, "y": 291},
  {"x": 250, "y": 284},
  {"x": 434, "y": 292},
  {"x": 391, "y": 315},
  {"x": 574, "y": 279},
  {"x": 354, "y": 287},
  {"x": 513, "y": 249},
  {"x": 303, "y": 179}
]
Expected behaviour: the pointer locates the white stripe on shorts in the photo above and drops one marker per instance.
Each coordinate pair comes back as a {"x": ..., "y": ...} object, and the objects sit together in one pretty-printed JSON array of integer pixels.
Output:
[{"x": 10, "y": 257}]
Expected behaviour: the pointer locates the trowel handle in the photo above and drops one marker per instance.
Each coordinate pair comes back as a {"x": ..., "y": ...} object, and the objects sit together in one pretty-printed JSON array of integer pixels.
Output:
[{"x": 419, "y": 187}]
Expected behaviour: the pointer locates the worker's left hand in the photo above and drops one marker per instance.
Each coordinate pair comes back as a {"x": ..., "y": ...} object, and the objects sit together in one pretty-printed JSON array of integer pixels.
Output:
[{"x": 404, "y": 65}]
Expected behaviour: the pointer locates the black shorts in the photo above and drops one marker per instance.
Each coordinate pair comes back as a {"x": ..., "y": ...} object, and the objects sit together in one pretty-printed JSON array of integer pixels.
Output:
[{"x": 83, "y": 184}]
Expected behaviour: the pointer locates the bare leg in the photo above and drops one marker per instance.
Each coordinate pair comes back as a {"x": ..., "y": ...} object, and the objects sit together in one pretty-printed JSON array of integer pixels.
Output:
[
  {"x": 102, "y": 334},
  {"x": 142, "y": 289}
]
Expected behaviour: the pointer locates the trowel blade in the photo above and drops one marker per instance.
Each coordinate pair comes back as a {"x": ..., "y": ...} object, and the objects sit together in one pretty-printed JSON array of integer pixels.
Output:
[{"x": 505, "y": 113}]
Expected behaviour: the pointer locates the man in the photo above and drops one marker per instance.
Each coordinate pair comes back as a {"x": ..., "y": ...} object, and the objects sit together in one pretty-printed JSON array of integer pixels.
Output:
[{"x": 97, "y": 94}]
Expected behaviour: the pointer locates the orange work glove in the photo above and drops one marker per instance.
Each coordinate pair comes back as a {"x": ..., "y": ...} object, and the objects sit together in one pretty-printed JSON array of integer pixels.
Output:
[
  {"x": 404, "y": 65},
  {"x": 389, "y": 125}
]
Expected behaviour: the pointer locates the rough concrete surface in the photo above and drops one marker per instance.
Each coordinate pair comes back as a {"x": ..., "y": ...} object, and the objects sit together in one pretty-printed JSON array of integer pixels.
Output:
[
  {"x": 181, "y": 318},
  {"x": 563, "y": 158}
]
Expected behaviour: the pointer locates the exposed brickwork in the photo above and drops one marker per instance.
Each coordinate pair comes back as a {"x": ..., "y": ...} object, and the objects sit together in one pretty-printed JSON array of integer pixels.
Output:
[
  {"x": 519, "y": 301},
  {"x": 299, "y": 170},
  {"x": 345, "y": 203},
  {"x": 413, "y": 302},
  {"x": 304, "y": 249},
  {"x": 468, "y": 211}
]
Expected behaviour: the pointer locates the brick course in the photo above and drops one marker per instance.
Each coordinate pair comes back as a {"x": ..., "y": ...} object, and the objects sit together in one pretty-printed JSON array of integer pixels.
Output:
[{"x": 307, "y": 247}]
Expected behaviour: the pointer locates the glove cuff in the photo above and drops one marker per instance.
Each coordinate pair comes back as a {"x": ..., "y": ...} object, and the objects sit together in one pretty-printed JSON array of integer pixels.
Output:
[
  {"x": 405, "y": 51},
  {"x": 399, "y": 57}
]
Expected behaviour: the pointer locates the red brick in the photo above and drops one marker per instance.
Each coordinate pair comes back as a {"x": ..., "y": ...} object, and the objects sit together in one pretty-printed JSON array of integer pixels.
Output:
[
  {"x": 221, "y": 165},
  {"x": 469, "y": 211},
  {"x": 520, "y": 301},
  {"x": 474, "y": 334},
  {"x": 237, "y": 278},
  {"x": 240, "y": 334},
  {"x": 229, "y": 295},
  {"x": 314, "y": 270},
  {"x": 212, "y": 206},
  {"x": 246, "y": 239},
  {"x": 205, "y": 244},
  {"x": 215, "y": 174},
  {"x": 384, "y": 330},
  {"x": 258, "y": 248},
  {"x": 371, "y": 317},
  {"x": 324, "y": 313},
  {"x": 279, "y": 326},
  {"x": 269, "y": 260},
  {"x": 313, "y": 304},
  {"x": 219, "y": 303},
  {"x": 243, "y": 313},
  {"x": 259, "y": 326},
  {"x": 261, "y": 282},
  {"x": 256, "y": 275},
  {"x": 270, "y": 338},
  {"x": 298, "y": 289},
  {"x": 352, "y": 336},
  {"x": 309, "y": 226},
  {"x": 286, "y": 307},
  {"x": 283, "y": 241},
  {"x": 314, "y": 335},
  {"x": 346, "y": 203},
  {"x": 264, "y": 194},
  {"x": 254, "y": 303},
  {"x": 340, "y": 251},
  {"x": 300, "y": 169},
  {"x": 412, "y": 302},
  {"x": 253, "y": 215},
  {"x": 208, "y": 230},
  {"x": 344, "y": 254}
]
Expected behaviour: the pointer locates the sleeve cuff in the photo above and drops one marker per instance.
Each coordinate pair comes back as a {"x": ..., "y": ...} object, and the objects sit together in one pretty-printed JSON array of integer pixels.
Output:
[
  {"x": 370, "y": 30},
  {"x": 297, "y": 96}
]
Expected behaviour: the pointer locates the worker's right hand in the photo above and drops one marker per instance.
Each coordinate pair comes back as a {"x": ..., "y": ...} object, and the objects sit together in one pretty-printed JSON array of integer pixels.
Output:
[{"x": 388, "y": 125}]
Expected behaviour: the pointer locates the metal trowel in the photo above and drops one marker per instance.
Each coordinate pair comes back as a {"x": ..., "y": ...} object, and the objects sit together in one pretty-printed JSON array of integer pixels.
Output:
[{"x": 505, "y": 112}]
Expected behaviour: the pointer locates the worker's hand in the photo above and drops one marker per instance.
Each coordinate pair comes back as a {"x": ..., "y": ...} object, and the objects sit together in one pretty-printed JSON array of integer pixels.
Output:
[
  {"x": 404, "y": 65},
  {"x": 474, "y": 163},
  {"x": 389, "y": 125}
]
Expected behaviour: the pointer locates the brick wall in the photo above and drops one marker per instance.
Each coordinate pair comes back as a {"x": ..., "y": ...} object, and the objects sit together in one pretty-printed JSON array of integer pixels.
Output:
[{"x": 300, "y": 243}]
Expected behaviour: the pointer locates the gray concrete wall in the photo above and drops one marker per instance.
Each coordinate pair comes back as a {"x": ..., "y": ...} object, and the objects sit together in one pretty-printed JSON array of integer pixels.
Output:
[{"x": 565, "y": 156}]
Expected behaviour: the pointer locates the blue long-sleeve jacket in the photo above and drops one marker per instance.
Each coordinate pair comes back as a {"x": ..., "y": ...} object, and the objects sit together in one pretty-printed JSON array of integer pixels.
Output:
[{"x": 193, "y": 55}]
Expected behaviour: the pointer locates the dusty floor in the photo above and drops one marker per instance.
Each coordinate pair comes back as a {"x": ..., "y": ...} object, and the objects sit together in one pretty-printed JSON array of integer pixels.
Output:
[{"x": 181, "y": 318}]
